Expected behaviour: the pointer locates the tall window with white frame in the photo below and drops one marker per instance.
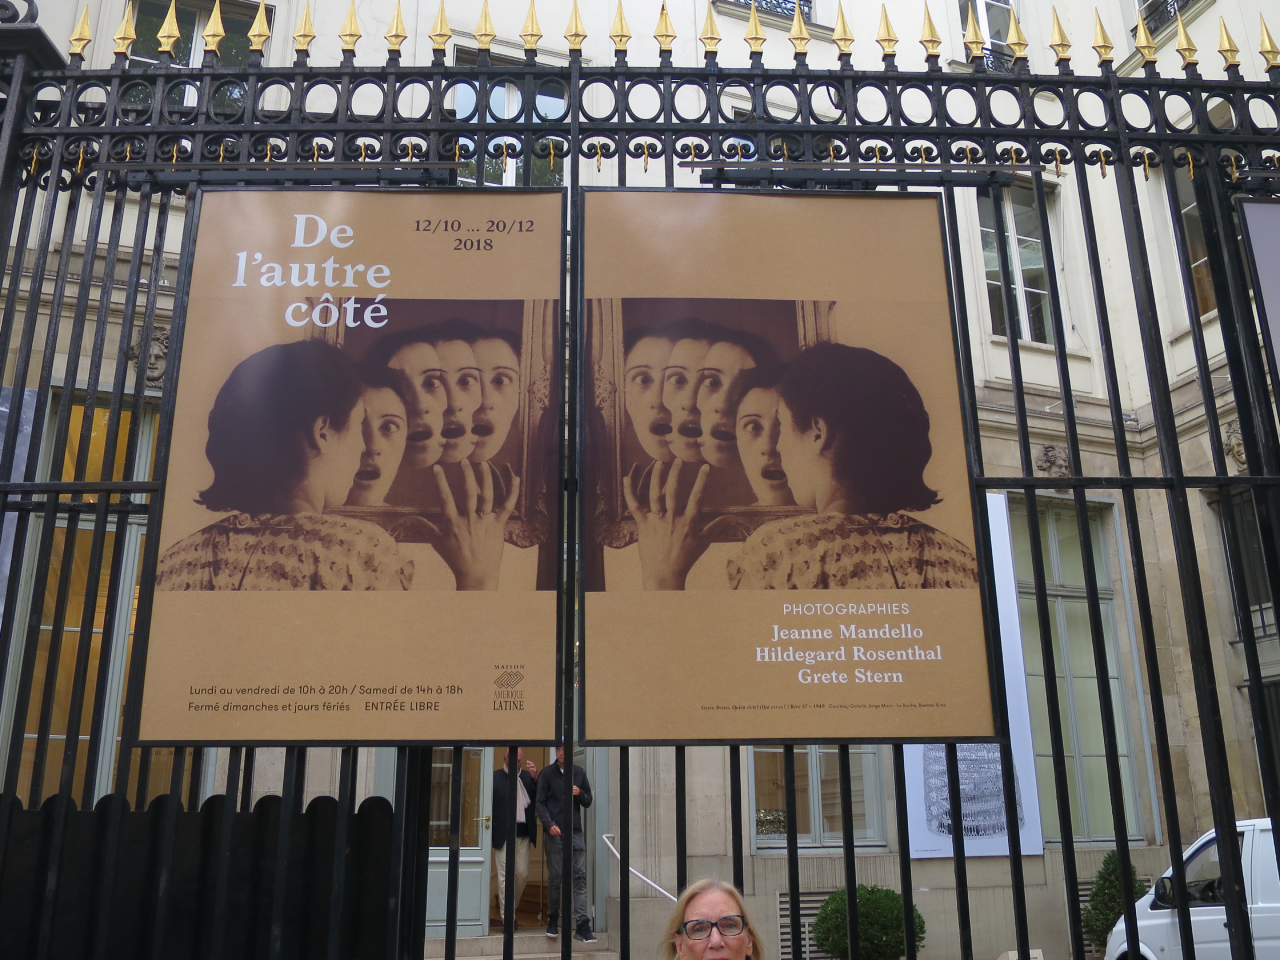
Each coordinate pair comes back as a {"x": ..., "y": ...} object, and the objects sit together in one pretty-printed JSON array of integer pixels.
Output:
[
  {"x": 819, "y": 823},
  {"x": 1029, "y": 276},
  {"x": 994, "y": 18},
  {"x": 1080, "y": 711}
]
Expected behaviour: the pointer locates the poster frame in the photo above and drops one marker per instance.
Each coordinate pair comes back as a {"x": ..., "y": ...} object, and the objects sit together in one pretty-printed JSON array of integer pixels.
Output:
[
  {"x": 168, "y": 402},
  {"x": 949, "y": 242}
]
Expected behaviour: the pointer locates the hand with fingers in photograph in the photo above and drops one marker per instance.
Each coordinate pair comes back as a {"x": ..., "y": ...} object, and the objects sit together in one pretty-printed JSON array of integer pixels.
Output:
[
  {"x": 470, "y": 540},
  {"x": 672, "y": 539}
]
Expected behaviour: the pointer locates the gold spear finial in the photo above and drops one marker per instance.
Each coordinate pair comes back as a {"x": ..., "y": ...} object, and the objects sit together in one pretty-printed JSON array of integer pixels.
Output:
[
  {"x": 126, "y": 34},
  {"x": 1185, "y": 46},
  {"x": 484, "y": 32},
  {"x": 169, "y": 34},
  {"x": 1143, "y": 42},
  {"x": 350, "y": 32},
  {"x": 576, "y": 31},
  {"x": 1226, "y": 46},
  {"x": 306, "y": 31},
  {"x": 620, "y": 34},
  {"x": 260, "y": 31},
  {"x": 1017, "y": 40},
  {"x": 887, "y": 39},
  {"x": 665, "y": 31},
  {"x": 710, "y": 33},
  {"x": 799, "y": 32},
  {"x": 396, "y": 34},
  {"x": 1270, "y": 52},
  {"x": 440, "y": 32},
  {"x": 841, "y": 36},
  {"x": 929, "y": 38},
  {"x": 214, "y": 32},
  {"x": 1058, "y": 41},
  {"x": 82, "y": 36},
  {"x": 973, "y": 39},
  {"x": 1101, "y": 42},
  {"x": 755, "y": 34},
  {"x": 531, "y": 32}
]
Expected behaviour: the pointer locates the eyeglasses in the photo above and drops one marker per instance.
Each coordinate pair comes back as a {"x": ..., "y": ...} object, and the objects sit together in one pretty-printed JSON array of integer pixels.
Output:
[{"x": 729, "y": 926}]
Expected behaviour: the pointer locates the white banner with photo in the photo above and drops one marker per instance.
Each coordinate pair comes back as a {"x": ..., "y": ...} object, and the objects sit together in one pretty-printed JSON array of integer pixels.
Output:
[{"x": 981, "y": 791}]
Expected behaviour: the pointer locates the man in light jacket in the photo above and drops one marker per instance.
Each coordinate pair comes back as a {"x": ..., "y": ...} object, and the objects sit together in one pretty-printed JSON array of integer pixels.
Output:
[{"x": 526, "y": 828}]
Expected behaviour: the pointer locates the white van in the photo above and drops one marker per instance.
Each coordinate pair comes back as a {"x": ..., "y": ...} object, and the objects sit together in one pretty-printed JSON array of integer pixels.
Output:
[{"x": 1158, "y": 921}]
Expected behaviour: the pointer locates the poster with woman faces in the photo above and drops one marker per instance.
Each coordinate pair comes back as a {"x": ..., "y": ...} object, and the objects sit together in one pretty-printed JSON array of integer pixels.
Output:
[
  {"x": 779, "y": 525},
  {"x": 357, "y": 540}
]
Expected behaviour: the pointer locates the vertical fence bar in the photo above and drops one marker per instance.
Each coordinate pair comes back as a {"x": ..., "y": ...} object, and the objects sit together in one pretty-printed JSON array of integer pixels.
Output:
[
  {"x": 509, "y": 850},
  {"x": 961, "y": 865},
  {"x": 852, "y": 930},
  {"x": 735, "y": 815},
  {"x": 904, "y": 849},
  {"x": 793, "y": 852},
  {"x": 624, "y": 853},
  {"x": 338, "y": 877},
  {"x": 682, "y": 825},
  {"x": 455, "y": 855},
  {"x": 284, "y": 839},
  {"x": 216, "y": 932}
]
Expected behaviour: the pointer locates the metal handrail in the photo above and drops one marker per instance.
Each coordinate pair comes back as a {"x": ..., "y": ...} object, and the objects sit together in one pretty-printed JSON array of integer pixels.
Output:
[{"x": 607, "y": 837}]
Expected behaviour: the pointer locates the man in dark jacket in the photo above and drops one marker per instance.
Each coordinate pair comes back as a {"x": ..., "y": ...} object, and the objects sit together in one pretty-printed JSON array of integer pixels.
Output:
[
  {"x": 526, "y": 830},
  {"x": 551, "y": 797}
]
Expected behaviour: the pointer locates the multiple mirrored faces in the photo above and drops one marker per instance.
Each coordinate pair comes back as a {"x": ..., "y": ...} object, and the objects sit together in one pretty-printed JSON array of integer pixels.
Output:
[
  {"x": 457, "y": 400},
  {"x": 684, "y": 399}
]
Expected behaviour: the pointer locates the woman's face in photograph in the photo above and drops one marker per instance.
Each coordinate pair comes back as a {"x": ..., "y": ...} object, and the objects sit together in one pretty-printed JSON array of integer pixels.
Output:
[
  {"x": 339, "y": 460},
  {"x": 384, "y": 429},
  {"x": 499, "y": 393},
  {"x": 712, "y": 905},
  {"x": 423, "y": 376},
  {"x": 650, "y": 420},
  {"x": 719, "y": 382},
  {"x": 758, "y": 430},
  {"x": 462, "y": 389},
  {"x": 680, "y": 396},
  {"x": 801, "y": 461}
]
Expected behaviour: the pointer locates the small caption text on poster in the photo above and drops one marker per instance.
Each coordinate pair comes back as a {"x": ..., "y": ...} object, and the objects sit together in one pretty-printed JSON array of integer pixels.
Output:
[{"x": 320, "y": 697}]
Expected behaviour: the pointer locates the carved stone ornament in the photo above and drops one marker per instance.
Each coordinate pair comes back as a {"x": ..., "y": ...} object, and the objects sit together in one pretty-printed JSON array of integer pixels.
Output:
[
  {"x": 1233, "y": 446},
  {"x": 157, "y": 356},
  {"x": 1054, "y": 460}
]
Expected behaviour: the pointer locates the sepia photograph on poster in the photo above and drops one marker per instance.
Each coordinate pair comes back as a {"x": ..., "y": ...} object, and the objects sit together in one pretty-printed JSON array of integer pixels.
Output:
[
  {"x": 358, "y": 538},
  {"x": 780, "y": 531}
]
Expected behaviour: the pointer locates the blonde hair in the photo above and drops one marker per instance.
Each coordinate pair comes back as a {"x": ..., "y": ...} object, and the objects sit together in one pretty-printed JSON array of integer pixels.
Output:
[{"x": 667, "y": 947}]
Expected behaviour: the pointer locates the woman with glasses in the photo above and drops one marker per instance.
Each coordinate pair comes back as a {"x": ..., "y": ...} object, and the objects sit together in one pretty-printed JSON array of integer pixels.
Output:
[{"x": 710, "y": 923}]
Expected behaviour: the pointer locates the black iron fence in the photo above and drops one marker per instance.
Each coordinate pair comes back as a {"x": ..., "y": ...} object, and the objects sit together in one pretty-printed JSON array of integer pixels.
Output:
[{"x": 102, "y": 849}]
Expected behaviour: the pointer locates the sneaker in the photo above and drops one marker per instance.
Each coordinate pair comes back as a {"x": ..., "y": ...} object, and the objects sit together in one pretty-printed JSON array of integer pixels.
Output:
[
  {"x": 583, "y": 932},
  {"x": 553, "y": 928}
]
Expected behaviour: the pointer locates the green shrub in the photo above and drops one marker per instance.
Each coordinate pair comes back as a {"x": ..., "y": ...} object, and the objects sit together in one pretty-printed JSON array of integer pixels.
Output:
[
  {"x": 1106, "y": 901},
  {"x": 880, "y": 928}
]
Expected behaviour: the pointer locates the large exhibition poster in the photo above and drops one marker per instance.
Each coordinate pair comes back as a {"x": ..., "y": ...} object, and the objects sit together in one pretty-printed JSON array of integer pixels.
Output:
[
  {"x": 781, "y": 535},
  {"x": 358, "y": 535}
]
